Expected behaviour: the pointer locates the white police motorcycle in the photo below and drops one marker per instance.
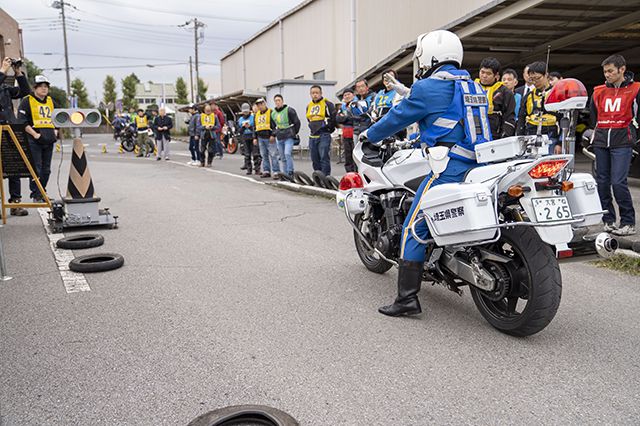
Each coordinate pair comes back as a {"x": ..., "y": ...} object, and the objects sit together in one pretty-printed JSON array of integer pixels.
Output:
[{"x": 500, "y": 232}]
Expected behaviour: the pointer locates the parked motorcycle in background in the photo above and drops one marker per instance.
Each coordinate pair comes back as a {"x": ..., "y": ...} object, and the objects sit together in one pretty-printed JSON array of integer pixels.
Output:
[{"x": 500, "y": 232}]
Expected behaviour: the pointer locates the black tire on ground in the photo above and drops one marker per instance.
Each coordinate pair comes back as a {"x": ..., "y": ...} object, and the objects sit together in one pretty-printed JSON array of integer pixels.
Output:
[
  {"x": 332, "y": 183},
  {"x": 379, "y": 266},
  {"x": 318, "y": 179},
  {"x": 128, "y": 145},
  {"x": 245, "y": 414},
  {"x": 232, "y": 146},
  {"x": 302, "y": 178},
  {"x": 98, "y": 262},
  {"x": 80, "y": 241},
  {"x": 539, "y": 284}
]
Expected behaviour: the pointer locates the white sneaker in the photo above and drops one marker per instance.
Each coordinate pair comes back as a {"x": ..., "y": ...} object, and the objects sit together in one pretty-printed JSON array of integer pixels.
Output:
[
  {"x": 610, "y": 227},
  {"x": 625, "y": 230}
]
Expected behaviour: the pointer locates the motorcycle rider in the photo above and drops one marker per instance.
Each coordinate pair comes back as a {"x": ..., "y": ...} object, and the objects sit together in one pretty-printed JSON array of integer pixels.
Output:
[
  {"x": 615, "y": 116},
  {"x": 248, "y": 140},
  {"x": 451, "y": 111},
  {"x": 502, "y": 104},
  {"x": 532, "y": 110}
]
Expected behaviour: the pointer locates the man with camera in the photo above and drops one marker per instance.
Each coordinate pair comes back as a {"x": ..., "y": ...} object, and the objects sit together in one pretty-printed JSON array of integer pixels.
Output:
[
  {"x": 35, "y": 111},
  {"x": 8, "y": 92}
]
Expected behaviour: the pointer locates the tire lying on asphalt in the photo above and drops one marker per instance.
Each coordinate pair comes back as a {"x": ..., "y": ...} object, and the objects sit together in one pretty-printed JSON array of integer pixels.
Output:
[
  {"x": 80, "y": 241},
  {"x": 319, "y": 179},
  {"x": 331, "y": 183},
  {"x": 302, "y": 178},
  {"x": 98, "y": 262},
  {"x": 245, "y": 414}
]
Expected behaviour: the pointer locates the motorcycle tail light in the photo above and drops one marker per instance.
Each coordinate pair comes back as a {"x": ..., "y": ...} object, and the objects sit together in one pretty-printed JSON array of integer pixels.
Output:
[
  {"x": 350, "y": 181},
  {"x": 547, "y": 169}
]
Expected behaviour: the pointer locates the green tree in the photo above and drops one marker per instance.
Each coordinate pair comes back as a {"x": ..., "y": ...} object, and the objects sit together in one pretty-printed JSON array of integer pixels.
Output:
[
  {"x": 58, "y": 95},
  {"x": 79, "y": 90},
  {"x": 202, "y": 90},
  {"x": 129, "y": 91},
  {"x": 109, "y": 87},
  {"x": 182, "y": 96}
]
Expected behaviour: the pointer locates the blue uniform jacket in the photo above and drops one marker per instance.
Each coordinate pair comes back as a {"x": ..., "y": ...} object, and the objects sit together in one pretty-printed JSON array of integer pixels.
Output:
[
  {"x": 244, "y": 130},
  {"x": 429, "y": 99}
]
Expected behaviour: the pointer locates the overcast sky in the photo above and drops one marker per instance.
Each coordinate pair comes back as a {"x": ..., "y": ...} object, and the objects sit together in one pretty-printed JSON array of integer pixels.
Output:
[{"x": 137, "y": 32}]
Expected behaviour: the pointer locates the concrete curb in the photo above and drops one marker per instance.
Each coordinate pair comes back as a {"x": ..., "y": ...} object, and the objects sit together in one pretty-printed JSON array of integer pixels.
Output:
[{"x": 310, "y": 190}]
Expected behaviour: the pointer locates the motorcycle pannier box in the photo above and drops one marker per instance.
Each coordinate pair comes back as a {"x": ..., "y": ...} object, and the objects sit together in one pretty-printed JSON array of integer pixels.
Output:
[
  {"x": 459, "y": 213},
  {"x": 584, "y": 200}
]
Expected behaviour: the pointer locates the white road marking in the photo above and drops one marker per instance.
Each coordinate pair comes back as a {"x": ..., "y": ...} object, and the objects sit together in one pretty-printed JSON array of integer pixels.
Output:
[
  {"x": 248, "y": 179},
  {"x": 74, "y": 282}
]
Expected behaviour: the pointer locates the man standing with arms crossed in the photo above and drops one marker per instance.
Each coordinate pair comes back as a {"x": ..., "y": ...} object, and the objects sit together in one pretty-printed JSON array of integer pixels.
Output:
[{"x": 615, "y": 115}]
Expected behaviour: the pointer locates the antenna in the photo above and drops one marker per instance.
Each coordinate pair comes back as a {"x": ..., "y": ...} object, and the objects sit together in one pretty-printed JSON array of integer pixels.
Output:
[{"x": 548, "y": 56}]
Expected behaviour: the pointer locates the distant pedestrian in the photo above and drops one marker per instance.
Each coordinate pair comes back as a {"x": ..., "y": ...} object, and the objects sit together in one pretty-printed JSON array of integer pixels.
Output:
[
  {"x": 528, "y": 83},
  {"x": 266, "y": 140},
  {"x": 502, "y": 103},
  {"x": 208, "y": 136},
  {"x": 221, "y": 120},
  {"x": 194, "y": 135},
  {"x": 163, "y": 125},
  {"x": 287, "y": 128},
  {"x": 615, "y": 115},
  {"x": 362, "y": 107},
  {"x": 345, "y": 120},
  {"x": 142, "y": 125},
  {"x": 321, "y": 118},
  {"x": 510, "y": 80},
  {"x": 248, "y": 140},
  {"x": 554, "y": 77}
]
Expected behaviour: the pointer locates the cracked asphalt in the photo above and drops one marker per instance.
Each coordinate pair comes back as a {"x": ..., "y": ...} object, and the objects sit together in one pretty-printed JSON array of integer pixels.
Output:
[{"x": 239, "y": 293}]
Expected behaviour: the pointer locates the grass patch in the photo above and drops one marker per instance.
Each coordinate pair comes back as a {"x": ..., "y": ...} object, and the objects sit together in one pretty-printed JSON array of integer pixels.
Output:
[{"x": 620, "y": 262}]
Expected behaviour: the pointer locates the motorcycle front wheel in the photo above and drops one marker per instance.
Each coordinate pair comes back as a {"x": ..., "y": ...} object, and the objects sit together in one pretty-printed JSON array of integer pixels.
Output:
[
  {"x": 528, "y": 296},
  {"x": 370, "y": 261},
  {"x": 128, "y": 145}
]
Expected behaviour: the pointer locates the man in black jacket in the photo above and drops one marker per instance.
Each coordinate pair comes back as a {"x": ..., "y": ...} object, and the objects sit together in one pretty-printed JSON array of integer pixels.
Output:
[
  {"x": 7, "y": 116},
  {"x": 615, "y": 116},
  {"x": 502, "y": 104},
  {"x": 321, "y": 115},
  {"x": 344, "y": 118},
  {"x": 35, "y": 110},
  {"x": 163, "y": 124}
]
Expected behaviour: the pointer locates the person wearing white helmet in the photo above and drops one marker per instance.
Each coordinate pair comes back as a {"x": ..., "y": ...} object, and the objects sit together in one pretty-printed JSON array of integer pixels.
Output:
[
  {"x": 35, "y": 111},
  {"x": 451, "y": 111}
]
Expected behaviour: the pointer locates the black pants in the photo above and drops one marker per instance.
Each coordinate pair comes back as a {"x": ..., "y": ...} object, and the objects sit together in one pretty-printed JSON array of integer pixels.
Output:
[
  {"x": 207, "y": 146},
  {"x": 250, "y": 152},
  {"x": 41, "y": 155},
  {"x": 349, "y": 164},
  {"x": 15, "y": 189}
]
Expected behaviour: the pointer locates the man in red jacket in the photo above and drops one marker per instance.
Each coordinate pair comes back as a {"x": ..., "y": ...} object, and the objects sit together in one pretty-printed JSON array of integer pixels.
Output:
[
  {"x": 615, "y": 115},
  {"x": 218, "y": 148}
]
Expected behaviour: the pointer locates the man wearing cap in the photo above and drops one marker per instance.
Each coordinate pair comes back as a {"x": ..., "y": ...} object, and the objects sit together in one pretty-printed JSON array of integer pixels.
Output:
[
  {"x": 8, "y": 92},
  {"x": 35, "y": 111},
  {"x": 248, "y": 140},
  {"x": 265, "y": 127},
  {"x": 344, "y": 118}
]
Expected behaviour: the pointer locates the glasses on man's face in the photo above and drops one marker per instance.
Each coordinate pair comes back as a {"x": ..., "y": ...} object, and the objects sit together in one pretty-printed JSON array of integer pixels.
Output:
[{"x": 536, "y": 77}]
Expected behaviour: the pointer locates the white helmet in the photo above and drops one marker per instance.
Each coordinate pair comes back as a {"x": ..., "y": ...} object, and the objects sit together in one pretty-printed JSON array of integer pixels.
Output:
[{"x": 435, "y": 48}]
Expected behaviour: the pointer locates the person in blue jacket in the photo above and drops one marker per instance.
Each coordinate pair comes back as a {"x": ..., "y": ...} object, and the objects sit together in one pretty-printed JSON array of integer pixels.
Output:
[
  {"x": 451, "y": 112},
  {"x": 248, "y": 139}
]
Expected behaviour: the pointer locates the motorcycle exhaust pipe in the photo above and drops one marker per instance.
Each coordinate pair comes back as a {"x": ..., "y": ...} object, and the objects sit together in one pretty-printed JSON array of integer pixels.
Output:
[
  {"x": 606, "y": 245},
  {"x": 593, "y": 247}
]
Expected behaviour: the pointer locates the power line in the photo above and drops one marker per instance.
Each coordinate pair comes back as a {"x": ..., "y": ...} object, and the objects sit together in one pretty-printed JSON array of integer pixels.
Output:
[
  {"x": 102, "y": 56},
  {"x": 100, "y": 67}
]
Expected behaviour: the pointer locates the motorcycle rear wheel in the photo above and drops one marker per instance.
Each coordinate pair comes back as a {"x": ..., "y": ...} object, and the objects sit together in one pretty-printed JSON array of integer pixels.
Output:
[
  {"x": 372, "y": 263},
  {"x": 232, "y": 146},
  {"x": 128, "y": 145},
  {"x": 535, "y": 285}
]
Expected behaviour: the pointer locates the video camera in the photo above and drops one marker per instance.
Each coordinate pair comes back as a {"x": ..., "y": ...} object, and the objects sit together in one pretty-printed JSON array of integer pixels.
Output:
[{"x": 16, "y": 62}]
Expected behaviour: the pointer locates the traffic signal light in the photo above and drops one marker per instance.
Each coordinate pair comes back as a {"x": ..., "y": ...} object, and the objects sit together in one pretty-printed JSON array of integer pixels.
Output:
[{"x": 76, "y": 117}]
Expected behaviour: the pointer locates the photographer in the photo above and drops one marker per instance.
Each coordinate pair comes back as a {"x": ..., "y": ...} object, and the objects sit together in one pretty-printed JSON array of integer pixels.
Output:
[
  {"x": 7, "y": 116},
  {"x": 35, "y": 111}
]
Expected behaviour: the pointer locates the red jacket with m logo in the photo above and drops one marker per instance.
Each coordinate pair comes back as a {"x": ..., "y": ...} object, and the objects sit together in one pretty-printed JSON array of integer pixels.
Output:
[{"x": 615, "y": 109}]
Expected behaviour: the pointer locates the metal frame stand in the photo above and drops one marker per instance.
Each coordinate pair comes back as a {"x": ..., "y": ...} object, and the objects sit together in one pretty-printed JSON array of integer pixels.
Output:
[{"x": 3, "y": 266}]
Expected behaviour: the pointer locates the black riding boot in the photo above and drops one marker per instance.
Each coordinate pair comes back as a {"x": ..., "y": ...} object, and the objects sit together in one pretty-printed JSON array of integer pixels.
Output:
[{"x": 409, "y": 281}]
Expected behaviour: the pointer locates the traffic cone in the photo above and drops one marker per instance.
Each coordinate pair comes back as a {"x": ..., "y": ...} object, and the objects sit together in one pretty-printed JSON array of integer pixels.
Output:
[
  {"x": 58, "y": 148},
  {"x": 120, "y": 150},
  {"x": 155, "y": 150},
  {"x": 104, "y": 148},
  {"x": 136, "y": 151},
  {"x": 80, "y": 185}
]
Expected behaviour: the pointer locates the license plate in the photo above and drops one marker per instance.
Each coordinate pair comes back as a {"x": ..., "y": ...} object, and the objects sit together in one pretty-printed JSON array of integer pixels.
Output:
[{"x": 551, "y": 209}]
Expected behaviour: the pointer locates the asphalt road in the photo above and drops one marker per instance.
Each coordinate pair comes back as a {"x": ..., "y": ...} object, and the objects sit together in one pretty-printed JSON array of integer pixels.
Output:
[{"x": 239, "y": 293}]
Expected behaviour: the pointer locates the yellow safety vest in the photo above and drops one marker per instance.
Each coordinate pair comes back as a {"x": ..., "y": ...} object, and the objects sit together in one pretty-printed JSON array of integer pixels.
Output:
[
  {"x": 263, "y": 120},
  {"x": 208, "y": 120},
  {"x": 41, "y": 113},
  {"x": 142, "y": 122},
  {"x": 491, "y": 90},
  {"x": 534, "y": 105},
  {"x": 317, "y": 111}
]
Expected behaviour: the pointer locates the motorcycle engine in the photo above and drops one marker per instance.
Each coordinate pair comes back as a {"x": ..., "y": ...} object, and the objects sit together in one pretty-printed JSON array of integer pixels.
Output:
[{"x": 395, "y": 208}]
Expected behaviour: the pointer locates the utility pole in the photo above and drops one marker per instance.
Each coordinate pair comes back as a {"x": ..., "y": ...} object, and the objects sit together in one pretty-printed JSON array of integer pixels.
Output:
[
  {"x": 197, "y": 25},
  {"x": 60, "y": 5},
  {"x": 193, "y": 99}
]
